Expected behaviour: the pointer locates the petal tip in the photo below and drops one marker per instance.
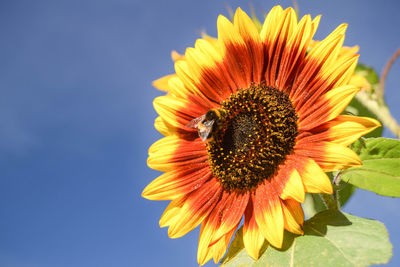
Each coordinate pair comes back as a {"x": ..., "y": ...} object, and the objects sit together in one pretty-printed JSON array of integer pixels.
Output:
[
  {"x": 277, "y": 242},
  {"x": 145, "y": 193}
]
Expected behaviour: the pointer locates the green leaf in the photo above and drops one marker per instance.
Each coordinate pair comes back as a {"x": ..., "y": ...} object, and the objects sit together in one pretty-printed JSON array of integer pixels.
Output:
[
  {"x": 344, "y": 192},
  {"x": 331, "y": 238},
  {"x": 380, "y": 172},
  {"x": 313, "y": 204}
]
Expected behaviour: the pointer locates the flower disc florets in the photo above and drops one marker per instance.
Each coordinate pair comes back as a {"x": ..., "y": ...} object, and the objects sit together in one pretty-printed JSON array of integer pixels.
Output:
[{"x": 257, "y": 132}]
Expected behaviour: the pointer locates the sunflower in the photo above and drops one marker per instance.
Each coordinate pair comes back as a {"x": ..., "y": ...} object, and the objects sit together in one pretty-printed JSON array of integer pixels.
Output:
[{"x": 274, "y": 100}]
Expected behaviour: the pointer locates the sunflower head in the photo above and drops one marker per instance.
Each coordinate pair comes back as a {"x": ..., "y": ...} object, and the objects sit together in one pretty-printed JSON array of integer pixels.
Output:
[{"x": 252, "y": 120}]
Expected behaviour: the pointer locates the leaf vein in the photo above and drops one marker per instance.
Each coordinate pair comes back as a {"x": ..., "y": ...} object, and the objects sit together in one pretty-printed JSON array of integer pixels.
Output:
[
  {"x": 334, "y": 244},
  {"x": 371, "y": 170},
  {"x": 292, "y": 254}
]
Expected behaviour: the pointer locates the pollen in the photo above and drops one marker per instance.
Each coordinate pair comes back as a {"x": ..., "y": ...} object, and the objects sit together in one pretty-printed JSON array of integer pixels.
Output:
[{"x": 258, "y": 131}]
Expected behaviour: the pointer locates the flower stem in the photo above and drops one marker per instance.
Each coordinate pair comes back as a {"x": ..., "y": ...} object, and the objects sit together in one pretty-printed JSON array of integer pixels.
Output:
[{"x": 385, "y": 72}]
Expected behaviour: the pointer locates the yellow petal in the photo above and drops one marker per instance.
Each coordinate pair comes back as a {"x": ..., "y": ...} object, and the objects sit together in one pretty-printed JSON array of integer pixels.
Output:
[
  {"x": 176, "y": 183},
  {"x": 221, "y": 246},
  {"x": 294, "y": 188},
  {"x": 209, "y": 48},
  {"x": 172, "y": 211},
  {"x": 328, "y": 107},
  {"x": 271, "y": 23},
  {"x": 162, "y": 83},
  {"x": 347, "y": 50},
  {"x": 160, "y": 125},
  {"x": 314, "y": 179},
  {"x": 176, "y": 56},
  {"x": 253, "y": 239},
  {"x": 245, "y": 26},
  {"x": 339, "y": 157},
  {"x": 227, "y": 33},
  {"x": 178, "y": 87},
  {"x": 345, "y": 129},
  {"x": 327, "y": 51},
  {"x": 197, "y": 207},
  {"x": 269, "y": 216},
  {"x": 339, "y": 98},
  {"x": 340, "y": 74},
  {"x": 330, "y": 156},
  {"x": 360, "y": 82},
  {"x": 161, "y": 152},
  {"x": 294, "y": 216},
  {"x": 211, "y": 40},
  {"x": 204, "y": 252},
  {"x": 197, "y": 61},
  {"x": 184, "y": 73},
  {"x": 174, "y": 110},
  {"x": 315, "y": 23}
]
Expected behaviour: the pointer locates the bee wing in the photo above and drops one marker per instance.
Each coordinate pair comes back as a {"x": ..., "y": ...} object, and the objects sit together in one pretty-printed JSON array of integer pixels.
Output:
[
  {"x": 195, "y": 122},
  {"x": 205, "y": 130}
]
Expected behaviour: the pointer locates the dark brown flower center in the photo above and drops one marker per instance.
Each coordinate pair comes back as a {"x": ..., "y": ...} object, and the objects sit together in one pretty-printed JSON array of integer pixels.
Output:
[{"x": 255, "y": 133}]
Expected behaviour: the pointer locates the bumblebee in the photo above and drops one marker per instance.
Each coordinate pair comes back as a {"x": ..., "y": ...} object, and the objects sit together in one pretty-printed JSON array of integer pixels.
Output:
[{"x": 207, "y": 124}]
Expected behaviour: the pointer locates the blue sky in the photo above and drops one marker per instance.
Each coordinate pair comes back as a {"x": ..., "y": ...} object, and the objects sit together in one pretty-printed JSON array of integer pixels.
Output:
[{"x": 77, "y": 119}]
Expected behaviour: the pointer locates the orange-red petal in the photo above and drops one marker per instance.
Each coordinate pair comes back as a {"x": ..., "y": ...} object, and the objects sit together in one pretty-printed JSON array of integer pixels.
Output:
[
  {"x": 252, "y": 237},
  {"x": 269, "y": 214},
  {"x": 176, "y": 183},
  {"x": 171, "y": 152},
  {"x": 196, "y": 208}
]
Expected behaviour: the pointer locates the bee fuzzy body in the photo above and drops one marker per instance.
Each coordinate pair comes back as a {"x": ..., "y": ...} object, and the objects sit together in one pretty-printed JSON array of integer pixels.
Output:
[{"x": 207, "y": 124}]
